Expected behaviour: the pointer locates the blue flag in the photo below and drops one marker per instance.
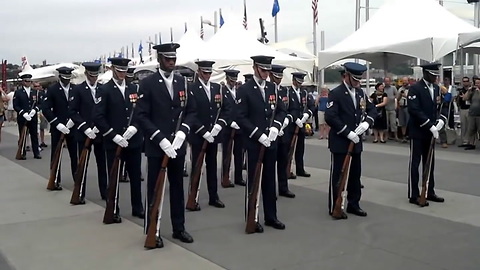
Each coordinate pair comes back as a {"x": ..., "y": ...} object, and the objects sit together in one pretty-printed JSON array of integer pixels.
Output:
[
  {"x": 221, "y": 20},
  {"x": 276, "y": 8},
  {"x": 140, "y": 47}
]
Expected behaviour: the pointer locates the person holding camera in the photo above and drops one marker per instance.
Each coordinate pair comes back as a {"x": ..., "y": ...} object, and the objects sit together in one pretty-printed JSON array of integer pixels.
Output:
[
  {"x": 473, "y": 96},
  {"x": 380, "y": 100}
]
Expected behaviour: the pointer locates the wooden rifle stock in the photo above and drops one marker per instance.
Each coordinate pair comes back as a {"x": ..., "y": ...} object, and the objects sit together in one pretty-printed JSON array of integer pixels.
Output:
[
  {"x": 80, "y": 173},
  {"x": 228, "y": 160},
  {"x": 55, "y": 166},
  {"x": 339, "y": 202},
  {"x": 195, "y": 178},
  {"x": 112, "y": 187},
  {"x": 253, "y": 195},
  {"x": 426, "y": 174},
  {"x": 150, "y": 241},
  {"x": 22, "y": 141},
  {"x": 291, "y": 150}
]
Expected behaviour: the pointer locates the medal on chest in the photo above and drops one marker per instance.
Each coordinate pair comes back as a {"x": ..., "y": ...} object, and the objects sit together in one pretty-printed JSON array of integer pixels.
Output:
[
  {"x": 182, "y": 97},
  {"x": 218, "y": 100},
  {"x": 133, "y": 98},
  {"x": 271, "y": 101}
]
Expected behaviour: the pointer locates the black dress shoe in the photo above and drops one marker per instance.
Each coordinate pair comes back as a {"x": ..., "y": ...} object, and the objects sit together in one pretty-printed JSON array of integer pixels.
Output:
[
  {"x": 158, "y": 243},
  {"x": 229, "y": 185},
  {"x": 117, "y": 218},
  {"x": 276, "y": 224},
  {"x": 217, "y": 203},
  {"x": 196, "y": 208},
  {"x": 258, "y": 228},
  {"x": 292, "y": 176},
  {"x": 240, "y": 182},
  {"x": 435, "y": 198},
  {"x": 417, "y": 202},
  {"x": 23, "y": 158},
  {"x": 37, "y": 157},
  {"x": 139, "y": 214},
  {"x": 470, "y": 147},
  {"x": 356, "y": 211},
  {"x": 464, "y": 145},
  {"x": 303, "y": 174},
  {"x": 43, "y": 145},
  {"x": 342, "y": 216},
  {"x": 183, "y": 236},
  {"x": 287, "y": 194}
]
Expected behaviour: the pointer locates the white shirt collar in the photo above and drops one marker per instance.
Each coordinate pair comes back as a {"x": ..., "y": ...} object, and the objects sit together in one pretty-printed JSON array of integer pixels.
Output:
[
  {"x": 93, "y": 87},
  {"x": 65, "y": 87},
  {"x": 205, "y": 85},
  {"x": 258, "y": 80},
  {"x": 164, "y": 74},
  {"x": 427, "y": 83},
  {"x": 119, "y": 83}
]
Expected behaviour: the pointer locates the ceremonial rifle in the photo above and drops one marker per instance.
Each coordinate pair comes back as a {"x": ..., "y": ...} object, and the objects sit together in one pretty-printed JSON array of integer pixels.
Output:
[
  {"x": 293, "y": 143},
  {"x": 197, "y": 173},
  {"x": 54, "y": 178},
  {"x": 79, "y": 177},
  {"x": 254, "y": 195},
  {"x": 113, "y": 179},
  {"x": 427, "y": 168},
  {"x": 157, "y": 207},
  {"x": 227, "y": 161}
]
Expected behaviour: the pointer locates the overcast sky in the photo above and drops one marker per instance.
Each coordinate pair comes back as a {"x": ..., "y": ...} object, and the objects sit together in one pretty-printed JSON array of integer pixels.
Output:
[{"x": 80, "y": 30}]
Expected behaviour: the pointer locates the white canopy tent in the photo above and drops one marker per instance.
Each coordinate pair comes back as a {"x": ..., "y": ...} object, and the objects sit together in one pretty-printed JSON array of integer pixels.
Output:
[
  {"x": 296, "y": 45},
  {"x": 432, "y": 33}
]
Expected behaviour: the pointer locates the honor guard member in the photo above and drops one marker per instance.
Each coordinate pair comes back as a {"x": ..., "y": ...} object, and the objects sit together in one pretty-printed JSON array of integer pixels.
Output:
[
  {"x": 276, "y": 76},
  {"x": 425, "y": 122},
  {"x": 349, "y": 113},
  {"x": 26, "y": 104},
  {"x": 111, "y": 116},
  {"x": 55, "y": 108},
  {"x": 130, "y": 77},
  {"x": 189, "y": 76},
  {"x": 231, "y": 92},
  {"x": 164, "y": 101},
  {"x": 257, "y": 103},
  {"x": 247, "y": 77},
  {"x": 300, "y": 109},
  {"x": 81, "y": 112},
  {"x": 210, "y": 100}
]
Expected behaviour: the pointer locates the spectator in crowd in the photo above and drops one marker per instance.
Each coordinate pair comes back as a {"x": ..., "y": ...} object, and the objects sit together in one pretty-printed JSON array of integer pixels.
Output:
[
  {"x": 473, "y": 96},
  {"x": 315, "y": 113},
  {"x": 464, "y": 106},
  {"x": 403, "y": 115},
  {"x": 11, "y": 114},
  {"x": 321, "y": 103},
  {"x": 43, "y": 121},
  {"x": 391, "y": 107},
  {"x": 3, "y": 100},
  {"x": 380, "y": 100},
  {"x": 446, "y": 99}
]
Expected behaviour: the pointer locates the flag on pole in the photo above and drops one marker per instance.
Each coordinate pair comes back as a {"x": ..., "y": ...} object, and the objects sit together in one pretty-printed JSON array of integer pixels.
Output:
[
  {"x": 315, "y": 10},
  {"x": 221, "y": 19},
  {"x": 140, "y": 49},
  {"x": 201, "y": 30},
  {"x": 245, "y": 24},
  {"x": 276, "y": 8}
]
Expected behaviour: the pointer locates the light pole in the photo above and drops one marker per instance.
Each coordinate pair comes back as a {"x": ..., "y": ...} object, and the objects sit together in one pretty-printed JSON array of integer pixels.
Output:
[{"x": 214, "y": 24}]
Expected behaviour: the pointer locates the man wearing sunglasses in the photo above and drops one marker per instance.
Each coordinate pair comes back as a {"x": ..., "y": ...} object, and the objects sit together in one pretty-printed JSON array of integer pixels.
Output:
[
  {"x": 349, "y": 113},
  {"x": 25, "y": 103}
]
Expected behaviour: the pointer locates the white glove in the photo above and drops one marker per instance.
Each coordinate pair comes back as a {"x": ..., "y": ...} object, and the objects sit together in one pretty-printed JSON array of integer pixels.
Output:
[
  {"x": 63, "y": 129},
  {"x": 234, "y": 125},
  {"x": 128, "y": 134},
  {"x": 281, "y": 133},
  {"x": 168, "y": 148},
  {"x": 95, "y": 129},
  {"x": 208, "y": 136},
  {"x": 264, "y": 140},
  {"x": 70, "y": 124},
  {"x": 305, "y": 118},
  {"x": 120, "y": 141},
  {"x": 178, "y": 141},
  {"x": 32, "y": 113},
  {"x": 352, "y": 136},
  {"x": 362, "y": 128},
  {"x": 27, "y": 116},
  {"x": 216, "y": 129},
  {"x": 90, "y": 134},
  {"x": 299, "y": 123},
  {"x": 285, "y": 123},
  {"x": 273, "y": 134},
  {"x": 440, "y": 124},
  {"x": 434, "y": 131}
]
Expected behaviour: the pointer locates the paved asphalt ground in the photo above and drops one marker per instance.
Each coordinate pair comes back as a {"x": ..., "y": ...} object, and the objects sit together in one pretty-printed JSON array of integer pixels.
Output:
[{"x": 40, "y": 230}]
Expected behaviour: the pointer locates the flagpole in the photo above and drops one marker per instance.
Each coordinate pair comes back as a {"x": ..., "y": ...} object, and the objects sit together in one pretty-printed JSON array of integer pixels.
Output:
[
  {"x": 315, "y": 52},
  {"x": 171, "y": 34},
  {"x": 322, "y": 47},
  {"x": 215, "y": 24},
  {"x": 276, "y": 29}
]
